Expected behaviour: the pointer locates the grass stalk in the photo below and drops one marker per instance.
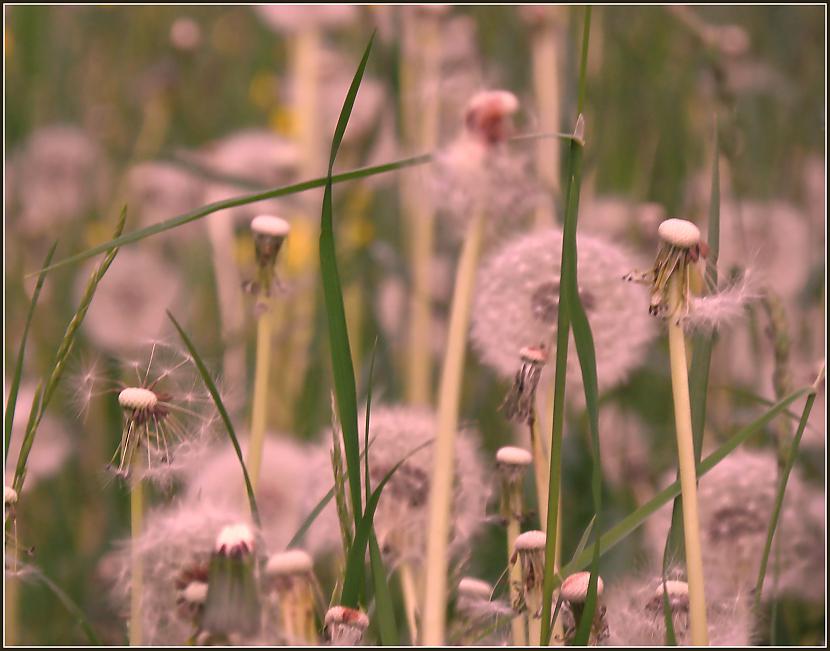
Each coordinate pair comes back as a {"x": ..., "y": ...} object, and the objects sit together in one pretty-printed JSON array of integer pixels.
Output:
[
  {"x": 259, "y": 410},
  {"x": 435, "y": 592},
  {"x": 409, "y": 591},
  {"x": 688, "y": 476},
  {"x": 136, "y": 566}
]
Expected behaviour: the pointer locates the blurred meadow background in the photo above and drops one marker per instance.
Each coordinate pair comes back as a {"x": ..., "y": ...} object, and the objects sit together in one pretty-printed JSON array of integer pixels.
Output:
[{"x": 168, "y": 108}]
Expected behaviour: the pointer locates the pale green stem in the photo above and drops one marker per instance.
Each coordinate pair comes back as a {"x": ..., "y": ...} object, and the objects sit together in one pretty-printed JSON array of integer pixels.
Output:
[
  {"x": 686, "y": 462},
  {"x": 435, "y": 593},
  {"x": 410, "y": 599},
  {"x": 136, "y": 566},
  {"x": 512, "y": 509},
  {"x": 534, "y": 630},
  {"x": 260, "y": 406}
]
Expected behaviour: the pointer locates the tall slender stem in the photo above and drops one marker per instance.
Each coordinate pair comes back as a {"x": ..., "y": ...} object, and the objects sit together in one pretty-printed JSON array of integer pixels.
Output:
[
  {"x": 260, "y": 406},
  {"x": 410, "y": 599},
  {"x": 435, "y": 593},
  {"x": 688, "y": 477},
  {"x": 136, "y": 569}
]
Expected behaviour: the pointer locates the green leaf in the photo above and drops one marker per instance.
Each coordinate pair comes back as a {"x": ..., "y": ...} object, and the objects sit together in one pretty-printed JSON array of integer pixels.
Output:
[
  {"x": 11, "y": 403},
  {"x": 220, "y": 407},
  {"x": 633, "y": 520},
  {"x": 779, "y": 498},
  {"x": 341, "y": 357},
  {"x": 61, "y": 358},
  {"x": 384, "y": 612},
  {"x": 317, "y": 510}
]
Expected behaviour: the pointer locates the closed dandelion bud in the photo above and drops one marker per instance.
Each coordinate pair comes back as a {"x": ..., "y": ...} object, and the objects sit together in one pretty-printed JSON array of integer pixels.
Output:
[
  {"x": 345, "y": 626},
  {"x": 574, "y": 592},
  {"x": 290, "y": 584},
  {"x": 529, "y": 551},
  {"x": 232, "y": 603}
]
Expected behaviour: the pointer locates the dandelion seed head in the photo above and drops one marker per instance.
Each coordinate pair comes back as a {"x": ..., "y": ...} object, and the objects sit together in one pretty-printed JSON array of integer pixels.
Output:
[
  {"x": 722, "y": 308},
  {"x": 401, "y": 516},
  {"x": 270, "y": 226},
  {"x": 345, "y": 626},
  {"x": 185, "y": 34},
  {"x": 235, "y": 540},
  {"x": 575, "y": 588},
  {"x": 735, "y": 500},
  {"x": 512, "y": 456},
  {"x": 530, "y": 541},
  {"x": 517, "y": 299},
  {"x": 474, "y": 588},
  {"x": 137, "y": 398},
  {"x": 634, "y": 613},
  {"x": 293, "y": 561},
  {"x": 487, "y": 116},
  {"x": 679, "y": 232}
]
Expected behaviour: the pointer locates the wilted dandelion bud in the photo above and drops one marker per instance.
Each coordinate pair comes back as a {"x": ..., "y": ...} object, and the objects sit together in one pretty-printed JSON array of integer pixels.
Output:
[
  {"x": 232, "y": 604},
  {"x": 529, "y": 551},
  {"x": 488, "y": 116},
  {"x": 290, "y": 583},
  {"x": 345, "y": 626},
  {"x": 574, "y": 592},
  {"x": 516, "y": 307},
  {"x": 269, "y": 234},
  {"x": 519, "y": 404}
]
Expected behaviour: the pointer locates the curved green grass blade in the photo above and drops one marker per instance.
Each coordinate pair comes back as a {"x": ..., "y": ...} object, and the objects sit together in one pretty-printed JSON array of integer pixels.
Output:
[
  {"x": 779, "y": 498},
  {"x": 631, "y": 522},
  {"x": 220, "y": 407},
  {"x": 62, "y": 356},
  {"x": 384, "y": 612},
  {"x": 11, "y": 403}
]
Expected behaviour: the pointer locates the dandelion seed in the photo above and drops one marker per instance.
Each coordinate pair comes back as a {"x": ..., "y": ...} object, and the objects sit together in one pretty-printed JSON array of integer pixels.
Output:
[
  {"x": 517, "y": 301},
  {"x": 722, "y": 308},
  {"x": 345, "y": 626}
]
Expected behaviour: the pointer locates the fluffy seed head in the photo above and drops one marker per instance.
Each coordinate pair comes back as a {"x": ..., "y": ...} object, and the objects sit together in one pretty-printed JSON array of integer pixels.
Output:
[
  {"x": 487, "y": 115},
  {"x": 235, "y": 540},
  {"x": 679, "y": 232},
  {"x": 474, "y": 588},
  {"x": 137, "y": 398},
  {"x": 512, "y": 456},
  {"x": 575, "y": 587},
  {"x": 270, "y": 225},
  {"x": 293, "y": 561},
  {"x": 530, "y": 541},
  {"x": 346, "y": 615},
  {"x": 195, "y": 592}
]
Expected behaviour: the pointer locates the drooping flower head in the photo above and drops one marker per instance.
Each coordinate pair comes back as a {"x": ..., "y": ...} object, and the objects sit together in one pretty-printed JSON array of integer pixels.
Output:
[{"x": 517, "y": 300}]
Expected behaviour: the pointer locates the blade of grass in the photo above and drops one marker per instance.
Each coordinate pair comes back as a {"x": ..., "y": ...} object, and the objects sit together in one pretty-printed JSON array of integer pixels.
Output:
[
  {"x": 668, "y": 620},
  {"x": 71, "y": 607},
  {"x": 62, "y": 356},
  {"x": 384, "y": 612},
  {"x": 357, "y": 554},
  {"x": 11, "y": 403},
  {"x": 634, "y": 519},
  {"x": 570, "y": 307},
  {"x": 341, "y": 357},
  {"x": 223, "y": 413},
  {"x": 779, "y": 497},
  {"x": 282, "y": 191}
]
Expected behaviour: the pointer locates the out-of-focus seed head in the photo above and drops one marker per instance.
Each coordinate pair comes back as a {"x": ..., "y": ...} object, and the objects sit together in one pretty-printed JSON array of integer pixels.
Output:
[
  {"x": 473, "y": 588},
  {"x": 513, "y": 457},
  {"x": 575, "y": 588},
  {"x": 487, "y": 116},
  {"x": 289, "y": 563},
  {"x": 9, "y": 496},
  {"x": 530, "y": 541},
  {"x": 185, "y": 34},
  {"x": 345, "y": 626}
]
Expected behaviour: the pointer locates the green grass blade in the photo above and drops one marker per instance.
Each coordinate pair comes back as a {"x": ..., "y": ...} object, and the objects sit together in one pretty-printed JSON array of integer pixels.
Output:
[
  {"x": 779, "y": 498},
  {"x": 632, "y": 521},
  {"x": 583, "y": 541},
  {"x": 384, "y": 612},
  {"x": 668, "y": 620},
  {"x": 366, "y": 424},
  {"x": 316, "y": 511},
  {"x": 62, "y": 356},
  {"x": 220, "y": 407},
  {"x": 11, "y": 403},
  {"x": 71, "y": 607},
  {"x": 354, "y": 564},
  {"x": 341, "y": 356}
]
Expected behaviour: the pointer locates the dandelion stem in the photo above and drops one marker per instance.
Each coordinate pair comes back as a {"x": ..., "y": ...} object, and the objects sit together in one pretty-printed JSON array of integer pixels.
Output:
[
  {"x": 541, "y": 463},
  {"x": 517, "y": 624},
  {"x": 137, "y": 570},
  {"x": 686, "y": 462},
  {"x": 260, "y": 406},
  {"x": 435, "y": 593},
  {"x": 534, "y": 630},
  {"x": 410, "y": 598}
]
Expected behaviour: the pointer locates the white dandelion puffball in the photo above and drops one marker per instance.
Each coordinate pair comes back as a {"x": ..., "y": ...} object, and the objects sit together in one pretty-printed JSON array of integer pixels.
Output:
[
  {"x": 517, "y": 299},
  {"x": 131, "y": 301},
  {"x": 401, "y": 516},
  {"x": 634, "y": 613},
  {"x": 735, "y": 500},
  {"x": 159, "y": 190},
  {"x": 294, "y": 479},
  {"x": 61, "y": 174},
  {"x": 174, "y": 547}
]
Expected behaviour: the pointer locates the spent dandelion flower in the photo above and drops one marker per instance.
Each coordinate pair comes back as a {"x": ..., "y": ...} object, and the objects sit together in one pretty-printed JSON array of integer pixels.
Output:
[
  {"x": 478, "y": 174},
  {"x": 517, "y": 299},
  {"x": 529, "y": 554},
  {"x": 480, "y": 619},
  {"x": 290, "y": 584},
  {"x": 345, "y": 626},
  {"x": 131, "y": 301},
  {"x": 269, "y": 233},
  {"x": 519, "y": 404},
  {"x": 635, "y": 615},
  {"x": 574, "y": 592}
]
